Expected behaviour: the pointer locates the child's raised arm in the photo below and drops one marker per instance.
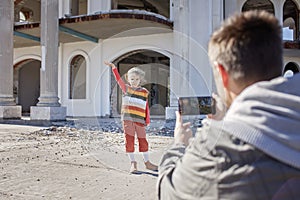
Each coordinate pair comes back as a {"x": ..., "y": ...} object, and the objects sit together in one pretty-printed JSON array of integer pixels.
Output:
[
  {"x": 117, "y": 76},
  {"x": 110, "y": 64}
]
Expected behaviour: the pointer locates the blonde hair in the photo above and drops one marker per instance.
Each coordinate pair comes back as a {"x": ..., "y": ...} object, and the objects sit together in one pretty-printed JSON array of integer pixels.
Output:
[{"x": 139, "y": 72}]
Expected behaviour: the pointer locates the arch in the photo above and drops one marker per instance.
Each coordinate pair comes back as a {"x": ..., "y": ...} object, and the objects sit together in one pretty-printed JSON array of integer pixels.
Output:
[
  {"x": 289, "y": 22},
  {"x": 88, "y": 61},
  {"x": 292, "y": 66},
  {"x": 26, "y": 83},
  {"x": 258, "y": 5},
  {"x": 157, "y": 69},
  {"x": 77, "y": 77},
  {"x": 289, "y": 29},
  {"x": 293, "y": 3},
  {"x": 136, "y": 48},
  {"x": 291, "y": 10},
  {"x": 23, "y": 14},
  {"x": 30, "y": 9},
  {"x": 26, "y": 57},
  {"x": 22, "y": 17}
]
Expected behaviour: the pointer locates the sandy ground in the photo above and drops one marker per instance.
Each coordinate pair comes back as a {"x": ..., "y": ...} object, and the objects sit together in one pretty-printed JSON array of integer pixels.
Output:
[{"x": 66, "y": 163}]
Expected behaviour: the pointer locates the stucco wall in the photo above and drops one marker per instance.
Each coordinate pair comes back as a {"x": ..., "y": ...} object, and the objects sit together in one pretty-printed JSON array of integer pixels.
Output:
[
  {"x": 97, "y": 102},
  {"x": 192, "y": 50}
]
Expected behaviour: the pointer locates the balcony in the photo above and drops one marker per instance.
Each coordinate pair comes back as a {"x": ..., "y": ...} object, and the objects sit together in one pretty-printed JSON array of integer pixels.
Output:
[{"x": 102, "y": 25}]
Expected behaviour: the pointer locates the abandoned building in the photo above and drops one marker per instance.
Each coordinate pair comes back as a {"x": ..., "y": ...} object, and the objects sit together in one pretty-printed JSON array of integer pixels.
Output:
[{"x": 52, "y": 52}]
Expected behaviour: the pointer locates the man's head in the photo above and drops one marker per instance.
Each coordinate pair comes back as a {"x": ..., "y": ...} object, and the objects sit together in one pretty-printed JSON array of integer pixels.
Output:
[{"x": 246, "y": 49}]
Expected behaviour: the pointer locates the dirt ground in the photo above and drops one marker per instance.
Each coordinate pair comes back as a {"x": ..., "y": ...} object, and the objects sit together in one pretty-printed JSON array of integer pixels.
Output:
[{"x": 66, "y": 163}]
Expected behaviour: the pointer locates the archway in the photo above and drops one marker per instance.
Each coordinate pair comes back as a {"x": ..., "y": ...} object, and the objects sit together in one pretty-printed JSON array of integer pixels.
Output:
[
  {"x": 291, "y": 68},
  {"x": 266, "y": 5},
  {"x": 77, "y": 78},
  {"x": 25, "y": 10},
  {"x": 27, "y": 84},
  {"x": 290, "y": 10},
  {"x": 289, "y": 29},
  {"x": 157, "y": 69}
]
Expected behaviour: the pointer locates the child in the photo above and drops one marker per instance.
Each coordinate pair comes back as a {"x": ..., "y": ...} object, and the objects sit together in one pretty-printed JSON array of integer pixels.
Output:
[{"x": 135, "y": 114}]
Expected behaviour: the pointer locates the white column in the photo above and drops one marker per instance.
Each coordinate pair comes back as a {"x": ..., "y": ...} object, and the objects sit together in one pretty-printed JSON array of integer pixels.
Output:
[
  {"x": 278, "y": 7},
  {"x": 202, "y": 24},
  {"x": 97, "y": 6},
  {"x": 64, "y": 8},
  {"x": 49, "y": 43},
  {"x": 232, "y": 7},
  {"x": 8, "y": 108},
  {"x": 179, "y": 70},
  {"x": 190, "y": 71},
  {"x": 48, "y": 107}
]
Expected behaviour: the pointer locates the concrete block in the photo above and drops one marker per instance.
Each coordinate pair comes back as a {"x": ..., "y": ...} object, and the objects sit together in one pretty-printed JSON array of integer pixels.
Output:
[
  {"x": 10, "y": 112},
  {"x": 48, "y": 113},
  {"x": 170, "y": 112}
]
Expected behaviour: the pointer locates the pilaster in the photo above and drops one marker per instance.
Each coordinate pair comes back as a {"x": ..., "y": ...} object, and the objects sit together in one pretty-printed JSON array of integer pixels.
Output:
[
  {"x": 8, "y": 107},
  {"x": 48, "y": 107}
]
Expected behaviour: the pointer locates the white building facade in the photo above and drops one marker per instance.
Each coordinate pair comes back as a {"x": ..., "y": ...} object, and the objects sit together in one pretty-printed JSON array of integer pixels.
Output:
[{"x": 59, "y": 71}]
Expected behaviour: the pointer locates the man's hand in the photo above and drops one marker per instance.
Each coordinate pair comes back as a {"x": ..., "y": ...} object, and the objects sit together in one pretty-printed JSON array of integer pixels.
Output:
[
  {"x": 110, "y": 64},
  {"x": 220, "y": 108},
  {"x": 182, "y": 132}
]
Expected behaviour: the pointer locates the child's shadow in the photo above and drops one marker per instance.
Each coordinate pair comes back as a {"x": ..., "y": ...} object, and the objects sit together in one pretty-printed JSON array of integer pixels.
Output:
[{"x": 146, "y": 173}]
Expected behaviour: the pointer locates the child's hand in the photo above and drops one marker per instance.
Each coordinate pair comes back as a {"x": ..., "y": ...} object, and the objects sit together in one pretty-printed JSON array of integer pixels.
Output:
[{"x": 109, "y": 64}]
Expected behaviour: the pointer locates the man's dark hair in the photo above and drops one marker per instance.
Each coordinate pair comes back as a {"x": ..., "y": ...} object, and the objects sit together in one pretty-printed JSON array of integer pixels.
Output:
[{"x": 249, "y": 46}]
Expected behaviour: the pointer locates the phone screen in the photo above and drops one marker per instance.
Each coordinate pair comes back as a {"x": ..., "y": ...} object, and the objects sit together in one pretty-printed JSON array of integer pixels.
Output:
[{"x": 196, "y": 105}]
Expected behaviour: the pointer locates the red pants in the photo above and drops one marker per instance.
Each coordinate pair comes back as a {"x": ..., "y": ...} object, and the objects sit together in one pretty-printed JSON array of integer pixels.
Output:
[{"x": 130, "y": 128}]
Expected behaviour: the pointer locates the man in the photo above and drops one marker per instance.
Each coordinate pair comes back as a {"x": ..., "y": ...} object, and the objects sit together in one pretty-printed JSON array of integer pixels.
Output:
[{"x": 254, "y": 151}]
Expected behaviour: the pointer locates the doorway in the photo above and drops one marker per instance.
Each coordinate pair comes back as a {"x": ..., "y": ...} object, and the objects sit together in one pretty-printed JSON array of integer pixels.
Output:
[
  {"x": 157, "y": 74},
  {"x": 27, "y": 84}
]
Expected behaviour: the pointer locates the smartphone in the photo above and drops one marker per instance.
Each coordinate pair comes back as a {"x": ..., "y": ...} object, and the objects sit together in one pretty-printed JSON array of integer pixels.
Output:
[{"x": 200, "y": 105}]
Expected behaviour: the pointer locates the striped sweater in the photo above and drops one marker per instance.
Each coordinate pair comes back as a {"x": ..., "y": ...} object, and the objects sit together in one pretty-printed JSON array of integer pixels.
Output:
[{"x": 134, "y": 102}]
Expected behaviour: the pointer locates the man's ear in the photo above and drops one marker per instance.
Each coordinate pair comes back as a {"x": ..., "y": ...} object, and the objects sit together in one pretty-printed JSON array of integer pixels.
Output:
[{"x": 223, "y": 73}]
